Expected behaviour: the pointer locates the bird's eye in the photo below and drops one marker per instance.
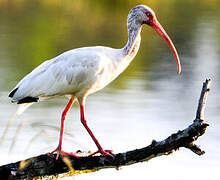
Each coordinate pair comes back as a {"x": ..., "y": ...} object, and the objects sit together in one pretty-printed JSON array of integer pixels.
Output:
[{"x": 148, "y": 14}]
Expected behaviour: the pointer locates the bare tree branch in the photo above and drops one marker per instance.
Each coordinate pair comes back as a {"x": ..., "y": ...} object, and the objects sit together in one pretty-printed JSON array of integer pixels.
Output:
[
  {"x": 203, "y": 99},
  {"x": 46, "y": 165}
]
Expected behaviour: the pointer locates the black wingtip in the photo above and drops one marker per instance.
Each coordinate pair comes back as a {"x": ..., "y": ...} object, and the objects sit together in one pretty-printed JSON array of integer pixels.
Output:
[
  {"x": 28, "y": 100},
  {"x": 11, "y": 94}
]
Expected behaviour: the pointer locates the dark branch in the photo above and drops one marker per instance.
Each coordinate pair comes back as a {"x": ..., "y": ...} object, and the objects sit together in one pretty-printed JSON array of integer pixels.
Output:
[
  {"x": 203, "y": 99},
  {"x": 47, "y": 165}
]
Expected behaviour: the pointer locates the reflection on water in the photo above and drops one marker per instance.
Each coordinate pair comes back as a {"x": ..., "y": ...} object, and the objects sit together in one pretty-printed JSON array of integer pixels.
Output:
[{"x": 148, "y": 101}]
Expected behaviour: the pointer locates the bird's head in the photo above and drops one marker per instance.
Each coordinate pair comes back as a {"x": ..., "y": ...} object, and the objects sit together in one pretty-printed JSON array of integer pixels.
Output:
[{"x": 142, "y": 14}]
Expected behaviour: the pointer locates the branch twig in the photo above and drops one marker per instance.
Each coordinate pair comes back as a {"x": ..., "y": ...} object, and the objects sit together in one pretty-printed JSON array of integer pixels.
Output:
[
  {"x": 47, "y": 165},
  {"x": 203, "y": 99}
]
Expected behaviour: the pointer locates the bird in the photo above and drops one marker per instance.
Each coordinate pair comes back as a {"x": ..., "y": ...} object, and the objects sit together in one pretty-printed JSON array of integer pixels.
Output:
[{"x": 80, "y": 72}]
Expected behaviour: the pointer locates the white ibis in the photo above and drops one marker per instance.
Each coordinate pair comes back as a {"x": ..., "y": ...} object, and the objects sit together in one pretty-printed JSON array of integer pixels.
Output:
[{"x": 83, "y": 71}]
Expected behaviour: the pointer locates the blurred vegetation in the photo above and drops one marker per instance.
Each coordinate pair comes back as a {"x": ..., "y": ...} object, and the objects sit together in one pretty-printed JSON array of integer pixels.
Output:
[{"x": 36, "y": 30}]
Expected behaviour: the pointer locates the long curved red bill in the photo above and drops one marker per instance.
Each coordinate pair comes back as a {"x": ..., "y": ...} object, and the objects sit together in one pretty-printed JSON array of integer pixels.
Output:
[{"x": 159, "y": 29}]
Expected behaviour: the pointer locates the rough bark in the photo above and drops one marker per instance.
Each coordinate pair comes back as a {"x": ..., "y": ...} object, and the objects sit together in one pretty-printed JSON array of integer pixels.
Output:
[{"x": 45, "y": 166}]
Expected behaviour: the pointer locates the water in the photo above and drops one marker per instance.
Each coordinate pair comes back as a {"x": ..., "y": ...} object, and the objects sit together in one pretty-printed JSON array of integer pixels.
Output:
[{"x": 148, "y": 101}]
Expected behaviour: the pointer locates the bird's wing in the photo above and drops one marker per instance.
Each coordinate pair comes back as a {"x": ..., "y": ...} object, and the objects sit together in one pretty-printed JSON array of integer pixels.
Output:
[{"x": 67, "y": 73}]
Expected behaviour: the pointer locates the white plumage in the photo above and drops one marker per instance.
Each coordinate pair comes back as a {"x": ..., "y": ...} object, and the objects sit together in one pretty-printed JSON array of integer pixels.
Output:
[
  {"x": 80, "y": 72},
  {"x": 76, "y": 72}
]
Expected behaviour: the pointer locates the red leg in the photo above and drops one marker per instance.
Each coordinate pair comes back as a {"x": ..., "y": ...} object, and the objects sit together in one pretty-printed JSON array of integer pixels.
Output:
[
  {"x": 59, "y": 147},
  {"x": 84, "y": 122}
]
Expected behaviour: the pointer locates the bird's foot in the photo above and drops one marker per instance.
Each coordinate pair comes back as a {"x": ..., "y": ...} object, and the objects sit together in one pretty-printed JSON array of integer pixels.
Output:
[
  {"x": 61, "y": 152},
  {"x": 104, "y": 153}
]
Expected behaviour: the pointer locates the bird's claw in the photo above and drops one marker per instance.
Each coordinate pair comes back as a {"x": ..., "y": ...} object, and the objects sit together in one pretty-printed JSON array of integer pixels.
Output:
[
  {"x": 104, "y": 153},
  {"x": 61, "y": 152}
]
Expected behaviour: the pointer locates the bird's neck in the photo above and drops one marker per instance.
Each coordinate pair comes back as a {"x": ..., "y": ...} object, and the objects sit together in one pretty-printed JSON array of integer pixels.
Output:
[
  {"x": 134, "y": 40},
  {"x": 128, "y": 52},
  {"x": 125, "y": 55}
]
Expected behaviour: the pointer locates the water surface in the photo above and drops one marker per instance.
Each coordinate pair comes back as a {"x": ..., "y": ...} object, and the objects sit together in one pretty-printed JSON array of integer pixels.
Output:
[{"x": 148, "y": 101}]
